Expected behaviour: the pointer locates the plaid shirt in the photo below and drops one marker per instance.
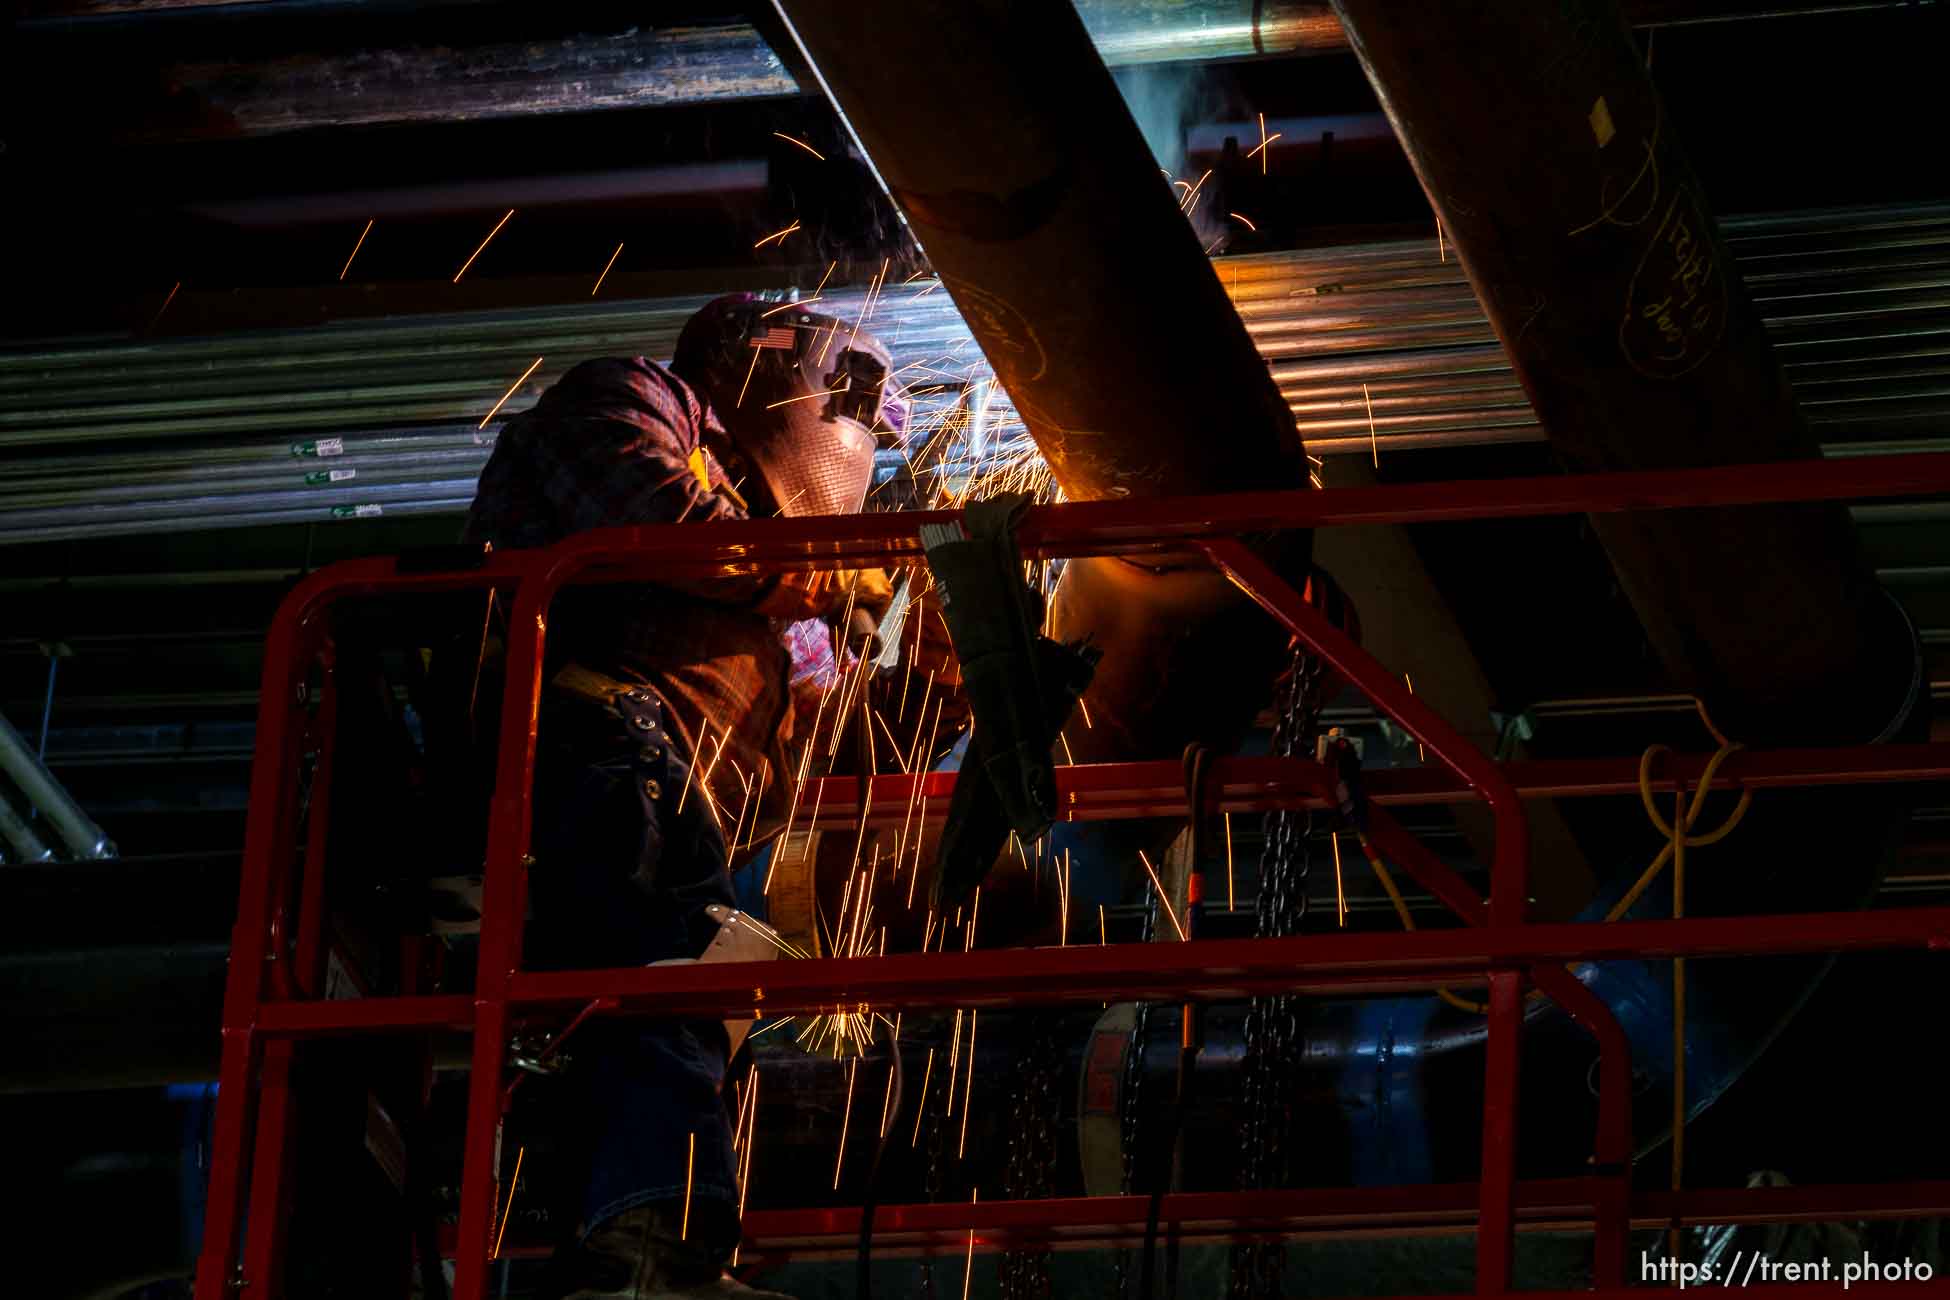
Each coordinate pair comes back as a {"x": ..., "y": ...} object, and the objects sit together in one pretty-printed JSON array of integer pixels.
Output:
[{"x": 609, "y": 444}]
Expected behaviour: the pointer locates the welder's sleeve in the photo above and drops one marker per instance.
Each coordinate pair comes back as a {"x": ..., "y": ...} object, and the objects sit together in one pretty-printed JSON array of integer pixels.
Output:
[{"x": 619, "y": 443}]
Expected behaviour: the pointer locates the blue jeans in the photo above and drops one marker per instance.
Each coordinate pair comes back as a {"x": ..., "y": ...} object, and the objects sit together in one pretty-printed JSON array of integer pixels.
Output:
[{"x": 622, "y": 878}]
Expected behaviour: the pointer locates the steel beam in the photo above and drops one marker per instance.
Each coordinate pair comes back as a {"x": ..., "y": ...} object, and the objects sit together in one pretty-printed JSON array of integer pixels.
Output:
[
  {"x": 1035, "y": 196},
  {"x": 1542, "y": 143}
]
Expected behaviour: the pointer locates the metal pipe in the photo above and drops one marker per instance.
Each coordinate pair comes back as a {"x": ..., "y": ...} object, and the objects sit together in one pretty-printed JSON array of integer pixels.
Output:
[
  {"x": 1206, "y": 143},
  {"x": 19, "y": 762},
  {"x": 1350, "y": 313},
  {"x": 1862, "y": 373},
  {"x": 689, "y": 180},
  {"x": 644, "y": 67},
  {"x": 27, "y": 846}
]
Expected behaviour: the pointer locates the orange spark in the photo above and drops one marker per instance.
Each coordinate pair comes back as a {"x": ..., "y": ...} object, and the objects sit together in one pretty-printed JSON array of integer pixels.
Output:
[
  {"x": 1063, "y": 940},
  {"x": 484, "y": 243},
  {"x": 510, "y": 393},
  {"x": 355, "y": 249},
  {"x": 801, "y": 143},
  {"x": 807, "y": 397},
  {"x": 1375, "y": 446},
  {"x": 966, "y": 1096},
  {"x": 1420, "y": 752},
  {"x": 1243, "y": 221},
  {"x": 1228, "y": 819},
  {"x": 514, "y": 1185},
  {"x": 1169, "y": 913},
  {"x": 748, "y": 378},
  {"x": 1340, "y": 887},
  {"x": 690, "y": 1163},
  {"x": 922, "y": 1109},
  {"x": 969, "y": 1274},
  {"x": 777, "y": 234},
  {"x": 954, "y": 1051},
  {"x": 846, "y": 1117},
  {"x": 606, "y": 265},
  {"x": 165, "y": 307}
]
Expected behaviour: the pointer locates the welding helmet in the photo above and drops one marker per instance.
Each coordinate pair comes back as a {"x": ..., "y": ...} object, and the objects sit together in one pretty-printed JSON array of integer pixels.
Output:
[{"x": 802, "y": 398}]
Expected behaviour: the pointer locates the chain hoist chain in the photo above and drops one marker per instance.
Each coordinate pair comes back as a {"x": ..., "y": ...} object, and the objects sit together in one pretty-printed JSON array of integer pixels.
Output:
[
  {"x": 937, "y": 1126},
  {"x": 1272, "y": 1027},
  {"x": 1130, "y": 1098},
  {"x": 1032, "y": 1149}
]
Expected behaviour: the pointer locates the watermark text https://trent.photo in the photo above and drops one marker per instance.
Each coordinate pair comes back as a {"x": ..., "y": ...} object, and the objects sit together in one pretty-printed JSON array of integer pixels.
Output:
[{"x": 1749, "y": 1268}]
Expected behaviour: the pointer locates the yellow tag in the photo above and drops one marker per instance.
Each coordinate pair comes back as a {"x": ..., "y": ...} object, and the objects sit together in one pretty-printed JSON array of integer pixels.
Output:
[{"x": 698, "y": 467}]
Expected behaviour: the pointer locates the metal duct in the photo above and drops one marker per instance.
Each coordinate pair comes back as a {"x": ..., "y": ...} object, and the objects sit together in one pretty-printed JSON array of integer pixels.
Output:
[
  {"x": 632, "y": 185},
  {"x": 1856, "y": 303},
  {"x": 653, "y": 66},
  {"x": 21, "y": 764}
]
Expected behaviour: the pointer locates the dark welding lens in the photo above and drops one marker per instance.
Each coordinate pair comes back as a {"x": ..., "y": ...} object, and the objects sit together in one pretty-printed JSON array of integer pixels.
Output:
[{"x": 860, "y": 378}]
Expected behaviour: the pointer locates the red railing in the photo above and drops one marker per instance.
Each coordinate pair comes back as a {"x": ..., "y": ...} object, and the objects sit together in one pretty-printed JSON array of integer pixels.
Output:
[{"x": 273, "y": 995}]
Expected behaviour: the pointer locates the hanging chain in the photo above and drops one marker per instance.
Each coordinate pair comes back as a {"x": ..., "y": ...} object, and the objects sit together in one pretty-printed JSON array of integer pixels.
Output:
[
  {"x": 1032, "y": 1148},
  {"x": 937, "y": 1125},
  {"x": 1272, "y": 1029},
  {"x": 1130, "y": 1100}
]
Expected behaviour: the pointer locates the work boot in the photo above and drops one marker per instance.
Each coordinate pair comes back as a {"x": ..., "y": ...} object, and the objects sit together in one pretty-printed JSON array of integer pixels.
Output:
[{"x": 640, "y": 1255}]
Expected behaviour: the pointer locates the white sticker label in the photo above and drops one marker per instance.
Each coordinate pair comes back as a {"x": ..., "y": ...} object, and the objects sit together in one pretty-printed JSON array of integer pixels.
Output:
[
  {"x": 367, "y": 512},
  {"x": 331, "y": 446},
  {"x": 341, "y": 475}
]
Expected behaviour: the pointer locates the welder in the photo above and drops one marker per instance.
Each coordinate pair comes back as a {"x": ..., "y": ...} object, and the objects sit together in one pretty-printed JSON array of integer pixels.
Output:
[{"x": 665, "y": 723}]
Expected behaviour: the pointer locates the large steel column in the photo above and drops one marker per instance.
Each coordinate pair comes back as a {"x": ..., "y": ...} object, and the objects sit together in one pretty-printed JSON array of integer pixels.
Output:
[
  {"x": 1541, "y": 141},
  {"x": 999, "y": 133}
]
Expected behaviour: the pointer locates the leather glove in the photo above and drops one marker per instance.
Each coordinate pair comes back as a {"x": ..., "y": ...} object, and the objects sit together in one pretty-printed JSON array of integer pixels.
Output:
[{"x": 824, "y": 593}]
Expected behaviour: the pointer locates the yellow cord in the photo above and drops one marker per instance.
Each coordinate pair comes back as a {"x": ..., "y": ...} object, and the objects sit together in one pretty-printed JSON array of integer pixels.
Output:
[
  {"x": 1684, "y": 815},
  {"x": 1680, "y": 817},
  {"x": 1387, "y": 880}
]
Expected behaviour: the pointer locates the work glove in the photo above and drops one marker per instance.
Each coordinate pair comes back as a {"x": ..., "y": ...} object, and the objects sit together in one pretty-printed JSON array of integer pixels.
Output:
[{"x": 824, "y": 594}]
